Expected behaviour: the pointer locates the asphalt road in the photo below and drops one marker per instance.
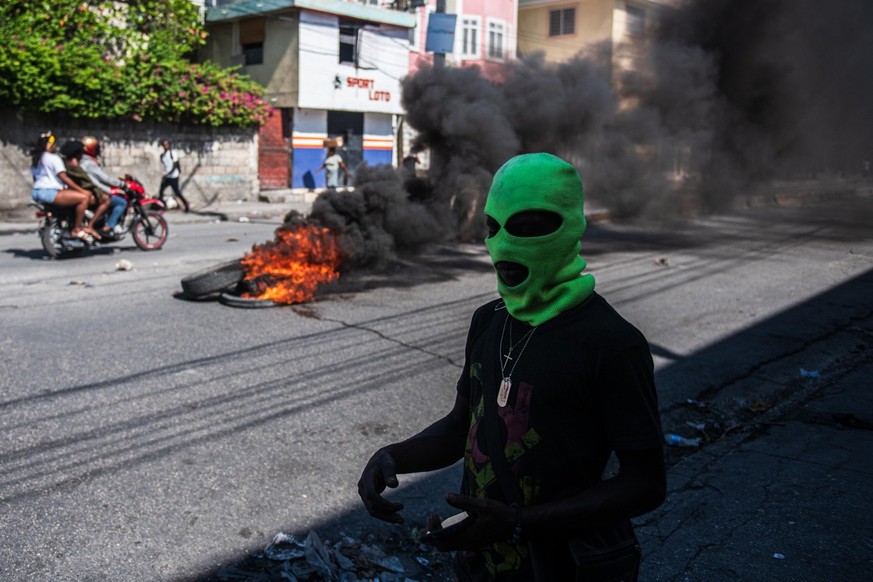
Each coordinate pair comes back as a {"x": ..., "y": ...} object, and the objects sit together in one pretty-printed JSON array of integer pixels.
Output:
[{"x": 145, "y": 437}]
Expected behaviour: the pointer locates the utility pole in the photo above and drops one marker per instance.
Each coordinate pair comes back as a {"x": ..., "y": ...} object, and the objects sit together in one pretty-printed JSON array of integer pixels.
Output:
[{"x": 439, "y": 59}]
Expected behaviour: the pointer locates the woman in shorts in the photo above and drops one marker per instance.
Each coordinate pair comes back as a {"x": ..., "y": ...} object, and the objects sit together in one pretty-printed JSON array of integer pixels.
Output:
[{"x": 51, "y": 185}]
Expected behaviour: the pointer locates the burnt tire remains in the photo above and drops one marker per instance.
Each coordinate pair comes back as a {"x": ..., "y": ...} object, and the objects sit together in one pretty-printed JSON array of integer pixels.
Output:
[
  {"x": 213, "y": 280},
  {"x": 234, "y": 300}
]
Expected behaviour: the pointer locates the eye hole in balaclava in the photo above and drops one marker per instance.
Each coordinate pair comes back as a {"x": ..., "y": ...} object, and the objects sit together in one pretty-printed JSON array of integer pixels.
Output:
[
  {"x": 527, "y": 224},
  {"x": 533, "y": 223}
]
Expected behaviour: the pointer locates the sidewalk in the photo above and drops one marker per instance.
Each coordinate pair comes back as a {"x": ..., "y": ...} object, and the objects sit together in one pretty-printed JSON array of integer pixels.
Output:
[{"x": 787, "y": 496}]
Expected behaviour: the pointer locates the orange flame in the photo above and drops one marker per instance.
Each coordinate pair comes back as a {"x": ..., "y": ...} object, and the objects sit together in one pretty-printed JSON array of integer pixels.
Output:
[{"x": 294, "y": 264}]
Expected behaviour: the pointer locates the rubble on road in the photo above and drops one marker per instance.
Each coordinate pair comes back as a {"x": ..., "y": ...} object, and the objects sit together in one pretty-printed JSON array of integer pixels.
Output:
[{"x": 293, "y": 558}]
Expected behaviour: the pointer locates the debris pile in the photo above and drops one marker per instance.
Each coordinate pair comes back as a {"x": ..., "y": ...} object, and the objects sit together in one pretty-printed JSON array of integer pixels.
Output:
[{"x": 294, "y": 558}]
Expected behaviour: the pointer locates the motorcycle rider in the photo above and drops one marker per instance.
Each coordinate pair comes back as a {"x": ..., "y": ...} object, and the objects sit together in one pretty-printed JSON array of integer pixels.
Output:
[
  {"x": 72, "y": 152},
  {"x": 51, "y": 185},
  {"x": 105, "y": 182}
]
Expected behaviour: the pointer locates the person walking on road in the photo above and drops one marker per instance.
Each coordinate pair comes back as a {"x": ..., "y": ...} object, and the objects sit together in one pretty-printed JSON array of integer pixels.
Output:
[
  {"x": 172, "y": 171},
  {"x": 331, "y": 166},
  {"x": 554, "y": 382}
]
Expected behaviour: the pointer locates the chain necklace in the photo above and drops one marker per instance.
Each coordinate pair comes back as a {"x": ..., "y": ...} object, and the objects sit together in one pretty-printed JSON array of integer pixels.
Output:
[{"x": 506, "y": 383}]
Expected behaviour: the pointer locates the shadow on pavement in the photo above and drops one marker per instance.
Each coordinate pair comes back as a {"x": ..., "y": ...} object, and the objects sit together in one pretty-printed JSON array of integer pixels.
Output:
[
  {"x": 754, "y": 365},
  {"x": 38, "y": 254}
]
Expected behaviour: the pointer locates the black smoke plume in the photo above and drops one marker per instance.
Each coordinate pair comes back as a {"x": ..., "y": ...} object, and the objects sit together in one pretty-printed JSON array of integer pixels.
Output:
[{"x": 724, "y": 97}]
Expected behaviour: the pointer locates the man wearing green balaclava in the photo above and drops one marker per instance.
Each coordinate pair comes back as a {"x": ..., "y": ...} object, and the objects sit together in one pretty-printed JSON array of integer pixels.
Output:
[{"x": 554, "y": 382}]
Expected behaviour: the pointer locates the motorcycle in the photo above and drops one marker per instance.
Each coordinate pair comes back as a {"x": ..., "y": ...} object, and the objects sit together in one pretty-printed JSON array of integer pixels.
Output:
[{"x": 142, "y": 219}]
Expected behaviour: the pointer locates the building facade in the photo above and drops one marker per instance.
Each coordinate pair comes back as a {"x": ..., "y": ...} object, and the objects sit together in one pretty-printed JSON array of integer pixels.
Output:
[
  {"x": 485, "y": 34},
  {"x": 332, "y": 72},
  {"x": 616, "y": 30}
]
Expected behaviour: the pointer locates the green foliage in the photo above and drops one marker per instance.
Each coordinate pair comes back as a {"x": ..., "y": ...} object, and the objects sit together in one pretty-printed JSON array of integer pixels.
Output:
[{"x": 99, "y": 58}]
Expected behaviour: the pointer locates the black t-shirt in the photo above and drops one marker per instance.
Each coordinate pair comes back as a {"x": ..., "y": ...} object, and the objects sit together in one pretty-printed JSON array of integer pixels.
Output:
[{"x": 582, "y": 387}]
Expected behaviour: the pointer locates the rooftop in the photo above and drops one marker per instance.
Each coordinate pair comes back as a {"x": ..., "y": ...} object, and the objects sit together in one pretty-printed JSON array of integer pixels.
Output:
[{"x": 229, "y": 11}]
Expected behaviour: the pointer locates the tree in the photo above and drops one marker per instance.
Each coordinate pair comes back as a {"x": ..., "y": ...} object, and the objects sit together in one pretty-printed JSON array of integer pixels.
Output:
[{"x": 101, "y": 58}]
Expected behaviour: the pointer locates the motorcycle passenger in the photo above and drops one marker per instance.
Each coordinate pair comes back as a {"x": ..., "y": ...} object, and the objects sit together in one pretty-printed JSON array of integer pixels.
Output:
[
  {"x": 105, "y": 182},
  {"x": 51, "y": 185},
  {"x": 72, "y": 152}
]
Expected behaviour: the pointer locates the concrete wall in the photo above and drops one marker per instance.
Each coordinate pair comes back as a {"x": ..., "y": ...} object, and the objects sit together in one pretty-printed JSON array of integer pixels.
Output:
[{"x": 217, "y": 163}]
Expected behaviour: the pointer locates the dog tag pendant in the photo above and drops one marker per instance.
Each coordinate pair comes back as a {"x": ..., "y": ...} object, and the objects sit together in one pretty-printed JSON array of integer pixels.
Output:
[{"x": 503, "y": 393}]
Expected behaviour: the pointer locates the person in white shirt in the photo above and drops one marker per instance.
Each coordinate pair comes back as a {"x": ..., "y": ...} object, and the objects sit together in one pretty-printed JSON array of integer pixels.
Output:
[
  {"x": 170, "y": 161},
  {"x": 51, "y": 185},
  {"x": 331, "y": 165}
]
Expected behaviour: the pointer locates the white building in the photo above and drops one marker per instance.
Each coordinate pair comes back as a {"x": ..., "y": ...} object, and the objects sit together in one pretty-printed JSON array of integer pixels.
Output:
[{"x": 331, "y": 68}]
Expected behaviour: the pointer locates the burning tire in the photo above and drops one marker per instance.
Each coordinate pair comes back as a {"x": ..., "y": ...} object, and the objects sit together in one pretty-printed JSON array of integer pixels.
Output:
[
  {"x": 233, "y": 300},
  {"x": 213, "y": 280}
]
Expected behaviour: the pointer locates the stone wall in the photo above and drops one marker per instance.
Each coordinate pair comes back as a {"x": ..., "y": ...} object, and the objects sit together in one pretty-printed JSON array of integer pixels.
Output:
[{"x": 218, "y": 164}]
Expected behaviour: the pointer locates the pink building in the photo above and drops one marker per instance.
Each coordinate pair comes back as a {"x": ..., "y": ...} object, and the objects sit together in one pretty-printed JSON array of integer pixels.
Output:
[{"x": 485, "y": 35}]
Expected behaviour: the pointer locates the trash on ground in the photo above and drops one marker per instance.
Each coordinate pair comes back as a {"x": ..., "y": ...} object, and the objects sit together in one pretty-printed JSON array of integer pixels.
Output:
[
  {"x": 779, "y": 556},
  {"x": 310, "y": 558},
  {"x": 662, "y": 261},
  {"x": 123, "y": 265},
  {"x": 231, "y": 239},
  {"x": 244, "y": 219},
  {"x": 391, "y": 563},
  {"x": 680, "y": 441},
  {"x": 423, "y": 561},
  {"x": 696, "y": 425},
  {"x": 809, "y": 373},
  {"x": 284, "y": 547},
  {"x": 77, "y": 283},
  {"x": 318, "y": 558}
]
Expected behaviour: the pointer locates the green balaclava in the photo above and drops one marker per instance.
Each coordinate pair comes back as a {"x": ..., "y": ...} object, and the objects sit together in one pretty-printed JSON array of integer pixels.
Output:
[{"x": 554, "y": 283}]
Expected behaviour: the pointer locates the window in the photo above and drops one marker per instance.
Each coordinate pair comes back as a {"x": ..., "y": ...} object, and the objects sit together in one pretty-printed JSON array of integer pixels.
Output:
[
  {"x": 252, "y": 33},
  {"x": 496, "y": 34},
  {"x": 253, "y": 53},
  {"x": 562, "y": 22},
  {"x": 470, "y": 37},
  {"x": 348, "y": 40},
  {"x": 635, "y": 21}
]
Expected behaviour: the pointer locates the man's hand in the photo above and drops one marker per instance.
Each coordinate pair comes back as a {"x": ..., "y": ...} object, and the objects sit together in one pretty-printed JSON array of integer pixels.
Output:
[
  {"x": 380, "y": 472},
  {"x": 495, "y": 522}
]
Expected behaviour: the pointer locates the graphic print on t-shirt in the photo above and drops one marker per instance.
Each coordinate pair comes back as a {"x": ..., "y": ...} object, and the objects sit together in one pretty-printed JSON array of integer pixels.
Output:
[
  {"x": 520, "y": 437},
  {"x": 501, "y": 558}
]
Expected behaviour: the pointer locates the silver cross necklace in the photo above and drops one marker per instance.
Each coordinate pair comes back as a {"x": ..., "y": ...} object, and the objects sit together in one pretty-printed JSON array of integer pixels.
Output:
[{"x": 504, "y": 359}]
